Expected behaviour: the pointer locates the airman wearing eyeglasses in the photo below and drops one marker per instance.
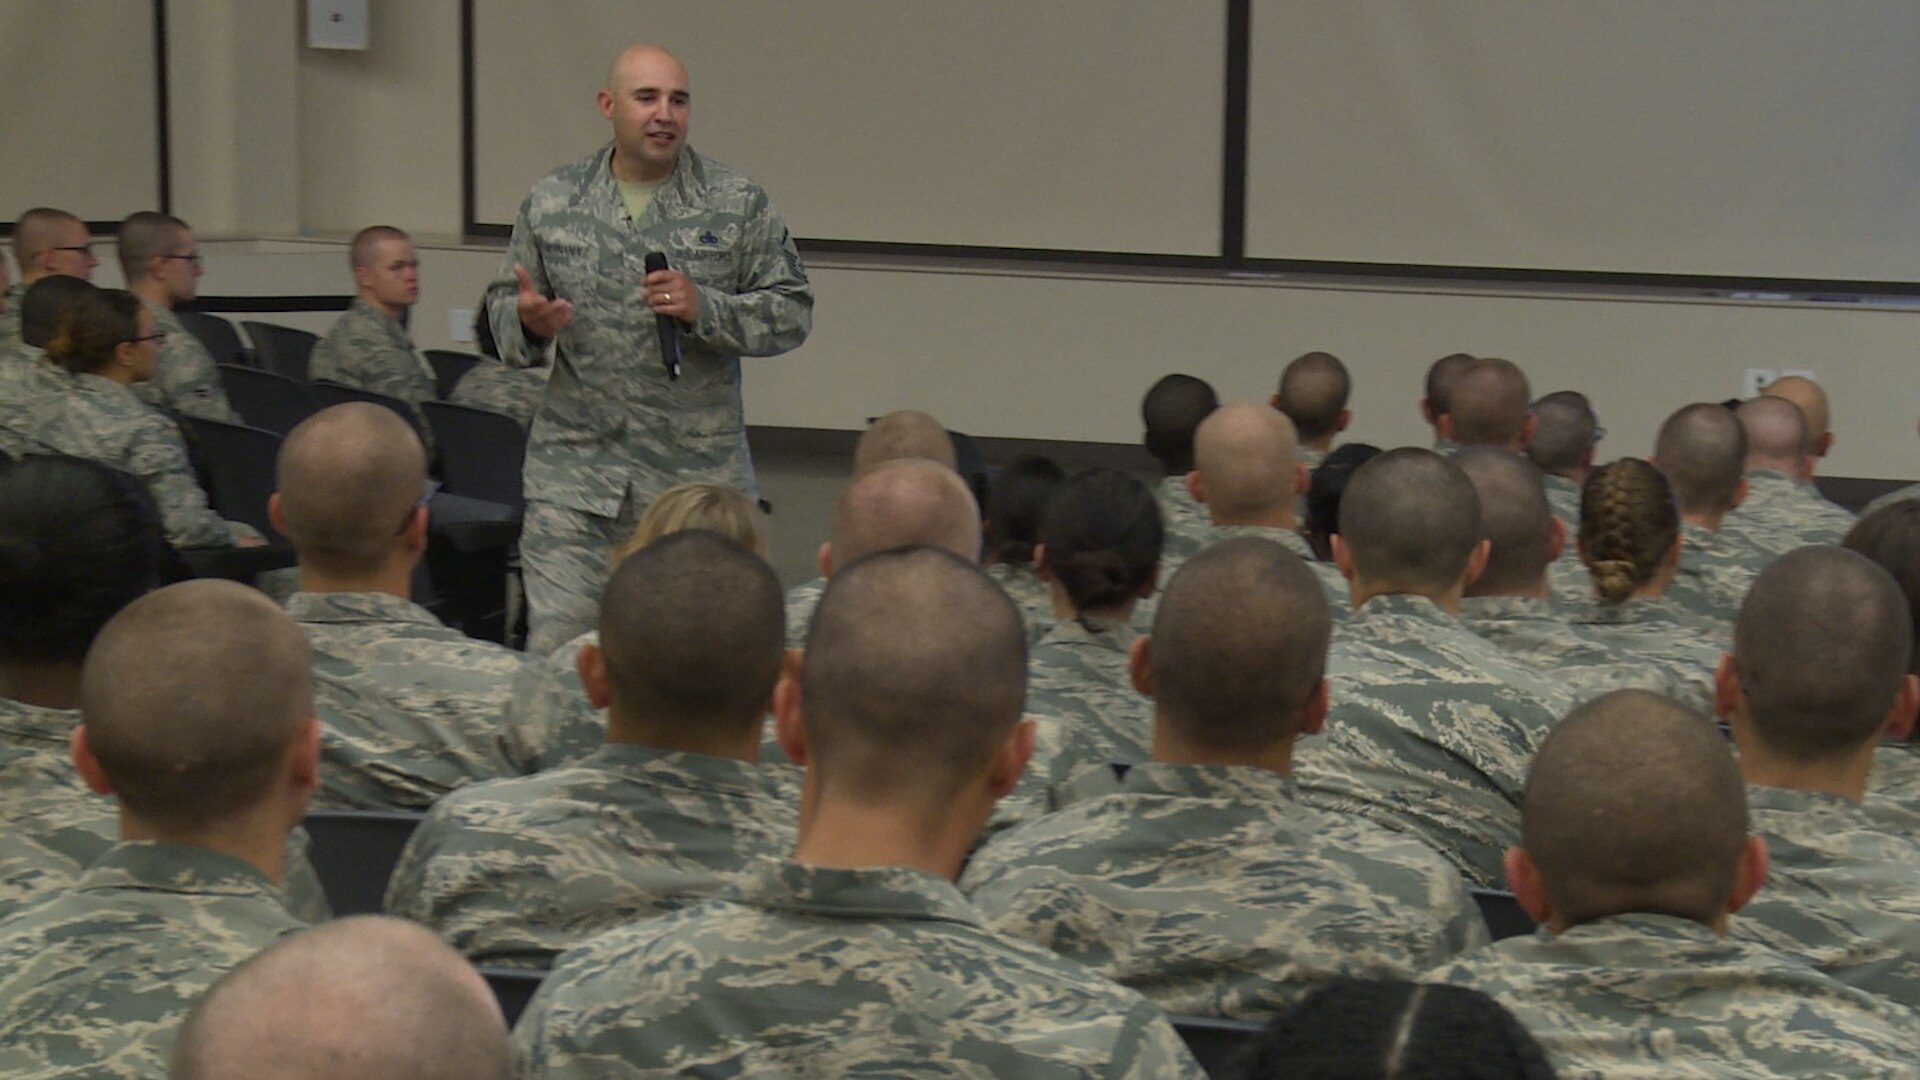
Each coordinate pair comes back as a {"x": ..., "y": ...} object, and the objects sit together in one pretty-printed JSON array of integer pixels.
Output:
[
  {"x": 162, "y": 266},
  {"x": 45, "y": 242}
]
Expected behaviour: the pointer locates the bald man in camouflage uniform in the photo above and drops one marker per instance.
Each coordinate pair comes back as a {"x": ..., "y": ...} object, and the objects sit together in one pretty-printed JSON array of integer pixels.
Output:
[
  {"x": 1783, "y": 509},
  {"x": 671, "y": 809},
  {"x": 615, "y": 429},
  {"x": 1196, "y": 878},
  {"x": 907, "y": 712},
  {"x": 1633, "y": 860},
  {"x": 1430, "y": 727},
  {"x": 413, "y": 708},
  {"x": 199, "y": 718}
]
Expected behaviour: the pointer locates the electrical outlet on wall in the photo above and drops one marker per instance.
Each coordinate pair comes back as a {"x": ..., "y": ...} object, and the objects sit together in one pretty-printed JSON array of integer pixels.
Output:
[
  {"x": 460, "y": 324},
  {"x": 1756, "y": 378}
]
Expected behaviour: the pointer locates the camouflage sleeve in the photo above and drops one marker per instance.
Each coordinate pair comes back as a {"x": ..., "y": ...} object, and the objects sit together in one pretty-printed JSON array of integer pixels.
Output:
[
  {"x": 305, "y": 897},
  {"x": 1149, "y": 1048},
  {"x": 156, "y": 455},
  {"x": 503, "y": 313},
  {"x": 770, "y": 310},
  {"x": 189, "y": 383},
  {"x": 549, "y": 721}
]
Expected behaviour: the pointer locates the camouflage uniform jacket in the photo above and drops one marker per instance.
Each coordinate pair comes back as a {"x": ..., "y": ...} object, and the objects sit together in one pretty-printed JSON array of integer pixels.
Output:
[
  {"x": 1657, "y": 631},
  {"x": 1311, "y": 457},
  {"x": 801, "y": 600},
  {"x": 55, "y": 827},
  {"x": 31, "y": 389},
  {"x": 1842, "y": 893},
  {"x": 1658, "y": 996},
  {"x": 368, "y": 349},
  {"x": 1185, "y": 519},
  {"x": 1331, "y": 580},
  {"x": 409, "y": 708},
  {"x": 1213, "y": 893},
  {"x": 1893, "y": 788},
  {"x": 1431, "y": 731},
  {"x": 612, "y": 426},
  {"x": 518, "y": 871},
  {"x": 1022, "y": 584},
  {"x": 1078, "y": 673},
  {"x": 1780, "y": 515},
  {"x": 1531, "y": 630},
  {"x": 186, "y": 380},
  {"x": 101, "y": 420},
  {"x": 1713, "y": 578},
  {"x": 807, "y": 971},
  {"x": 1563, "y": 499},
  {"x": 94, "y": 981},
  {"x": 549, "y": 721},
  {"x": 10, "y": 315},
  {"x": 501, "y": 388}
]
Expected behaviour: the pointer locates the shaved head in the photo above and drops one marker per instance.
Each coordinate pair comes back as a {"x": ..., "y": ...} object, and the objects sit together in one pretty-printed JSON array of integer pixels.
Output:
[
  {"x": 1890, "y": 536},
  {"x": 692, "y": 627},
  {"x": 1634, "y": 804},
  {"x": 365, "y": 250},
  {"x": 1515, "y": 520},
  {"x": 1313, "y": 393},
  {"x": 635, "y": 61},
  {"x": 902, "y": 503},
  {"x": 1702, "y": 450},
  {"x": 144, "y": 236},
  {"x": 1244, "y": 454},
  {"x": 1488, "y": 403},
  {"x": 1410, "y": 520},
  {"x": 347, "y": 477},
  {"x": 38, "y": 233},
  {"x": 1563, "y": 433},
  {"x": 915, "y": 673},
  {"x": 1820, "y": 648},
  {"x": 1812, "y": 400},
  {"x": 903, "y": 434},
  {"x": 1440, "y": 376},
  {"x": 191, "y": 698},
  {"x": 1172, "y": 411},
  {"x": 1776, "y": 434},
  {"x": 371, "y": 997},
  {"x": 1239, "y": 642}
]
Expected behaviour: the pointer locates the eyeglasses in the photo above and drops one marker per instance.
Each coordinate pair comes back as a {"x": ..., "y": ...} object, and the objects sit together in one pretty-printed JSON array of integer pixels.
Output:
[
  {"x": 193, "y": 258},
  {"x": 1598, "y": 434},
  {"x": 426, "y": 496},
  {"x": 84, "y": 249},
  {"x": 160, "y": 336}
]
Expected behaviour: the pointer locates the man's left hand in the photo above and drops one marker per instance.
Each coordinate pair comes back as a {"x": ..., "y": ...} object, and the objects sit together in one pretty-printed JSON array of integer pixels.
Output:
[{"x": 670, "y": 292}]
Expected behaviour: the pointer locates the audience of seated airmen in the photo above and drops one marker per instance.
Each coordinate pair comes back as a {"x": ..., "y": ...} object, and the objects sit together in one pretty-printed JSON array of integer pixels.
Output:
[
  {"x": 1565, "y": 433},
  {"x": 369, "y": 998},
  {"x": 672, "y": 808},
  {"x": 1171, "y": 413},
  {"x": 1509, "y": 605},
  {"x": 411, "y": 708},
  {"x": 46, "y": 243},
  {"x": 1196, "y": 878},
  {"x": 31, "y": 385},
  {"x": 1635, "y": 851},
  {"x": 1890, "y": 536},
  {"x": 1012, "y": 526},
  {"x": 1430, "y": 726},
  {"x": 1701, "y": 450},
  {"x": 1313, "y": 394},
  {"x": 199, "y": 721},
  {"x": 162, "y": 267},
  {"x": 107, "y": 342},
  {"x": 858, "y": 954},
  {"x": 1783, "y": 510},
  {"x": 1818, "y": 675}
]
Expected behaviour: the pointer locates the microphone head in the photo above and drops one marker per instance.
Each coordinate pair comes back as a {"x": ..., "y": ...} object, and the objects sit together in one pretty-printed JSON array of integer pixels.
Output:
[{"x": 656, "y": 261}]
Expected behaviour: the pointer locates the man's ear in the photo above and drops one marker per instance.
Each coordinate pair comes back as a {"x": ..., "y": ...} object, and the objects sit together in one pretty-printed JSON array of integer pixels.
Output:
[
  {"x": 1556, "y": 538},
  {"x": 1010, "y": 761},
  {"x": 1526, "y": 432},
  {"x": 824, "y": 558},
  {"x": 1523, "y": 881},
  {"x": 590, "y": 663},
  {"x": 1726, "y": 688},
  {"x": 1750, "y": 874},
  {"x": 1140, "y": 665},
  {"x": 1313, "y": 719},
  {"x": 1824, "y": 445},
  {"x": 303, "y": 761},
  {"x": 1302, "y": 477},
  {"x": 1273, "y": 401},
  {"x": 1152, "y": 583},
  {"x": 275, "y": 516},
  {"x": 1905, "y": 704},
  {"x": 1443, "y": 425},
  {"x": 1342, "y": 558},
  {"x": 1340, "y": 425},
  {"x": 415, "y": 534},
  {"x": 1426, "y": 414},
  {"x": 787, "y": 729},
  {"x": 1040, "y": 563},
  {"x": 1739, "y": 494},
  {"x": 1196, "y": 487},
  {"x": 1476, "y": 562},
  {"x": 85, "y": 763}
]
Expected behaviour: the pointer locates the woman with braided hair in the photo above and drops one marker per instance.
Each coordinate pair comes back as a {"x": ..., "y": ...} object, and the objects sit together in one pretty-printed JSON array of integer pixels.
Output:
[{"x": 1630, "y": 542}]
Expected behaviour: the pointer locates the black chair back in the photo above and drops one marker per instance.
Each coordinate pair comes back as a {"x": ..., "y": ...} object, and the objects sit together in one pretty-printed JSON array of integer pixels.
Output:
[
  {"x": 354, "y": 853},
  {"x": 512, "y": 988},
  {"x": 266, "y": 399},
  {"x": 239, "y": 461},
  {"x": 1502, "y": 914},
  {"x": 281, "y": 348},
  {"x": 220, "y": 337},
  {"x": 333, "y": 393},
  {"x": 448, "y": 366},
  {"x": 481, "y": 451},
  {"x": 1216, "y": 1042}
]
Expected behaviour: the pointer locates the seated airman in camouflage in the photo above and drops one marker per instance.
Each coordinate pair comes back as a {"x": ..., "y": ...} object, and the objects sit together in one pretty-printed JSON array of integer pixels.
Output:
[
  {"x": 1438, "y": 387},
  {"x": 410, "y": 709},
  {"x": 1509, "y": 605},
  {"x": 1890, "y": 536},
  {"x": 1313, "y": 394},
  {"x": 368, "y": 347},
  {"x": 1196, "y": 878},
  {"x": 1430, "y": 726},
  {"x": 1635, "y": 851},
  {"x": 670, "y": 809},
  {"x": 1565, "y": 433},
  {"x": 1701, "y": 450},
  {"x": 46, "y": 243},
  {"x": 1012, "y": 525},
  {"x": 1818, "y": 676},
  {"x": 1172, "y": 412},
  {"x": 900, "y": 435},
  {"x": 1489, "y": 403},
  {"x": 858, "y": 954},
  {"x": 31, "y": 385},
  {"x": 1783, "y": 510},
  {"x": 367, "y": 997},
  {"x": 199, "y": 721},
  {"x": 161, "y": 262}
]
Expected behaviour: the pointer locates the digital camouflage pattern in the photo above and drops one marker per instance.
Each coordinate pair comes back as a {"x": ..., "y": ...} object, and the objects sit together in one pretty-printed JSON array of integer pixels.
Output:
[
  {"x": 1332, "y": 582},
  {"x": 513, "y": 391},
  {"x": 1563, "y": 501},
  {"x": 1062, "y": 750},
  {"x": 1078, "y": 673},
  {"x": 369, "y": 350},
  {"x": 801, "y": 600},
  {"x": 94, "y": 981},
  {"x": 10, "y": 315},
  {"x": 613, "y": 430},
  {"x": 515, "y": 872},
  {"x": 1311, "y": 457},
  {"x": 811, "y": 971},
  {"x": 1022, "y": 584},
  {"x": 186, "y": 380},
  {"x": 1713, "y": 577},
  {"x": 1893, "y": 788},
  {"x": 1657, "y": 996},
  {"x": 549, "y": 720},
  {"x": 31, "y": 387},
  {"x": 1531, "y": 630},
  {"x": 1186, "y": 521},
  {"x": 1212, "y": 892},
  {"x": 409, "y": 708},
  {"x": 101, "y": 420},
  {"x": 1842, "y": 893},
  {"x": 1657, "y": 631},
  {"x": 569, "y": 580},
  {"x": 1430, "y": 731},
  {"x": 1780, "y": 515}
]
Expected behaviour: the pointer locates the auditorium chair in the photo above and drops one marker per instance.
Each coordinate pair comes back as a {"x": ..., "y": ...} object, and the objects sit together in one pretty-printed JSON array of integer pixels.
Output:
[
  {"x": 281, "y": 348},
  {"x": 333, "y": 393},
  {"x": 239, "y": 461},
  {"x": 354, "y": 852},
  {"x": 267, "y": 399},
  {"x": 481, "y": 451},
  {"x": 220, "y": 337},
  {"x": 1216, "y": 1042},
  {"x": 512, "y": 988},
  {"x": 1502, "y": 914},
  {"x": 448, "y": 366}
]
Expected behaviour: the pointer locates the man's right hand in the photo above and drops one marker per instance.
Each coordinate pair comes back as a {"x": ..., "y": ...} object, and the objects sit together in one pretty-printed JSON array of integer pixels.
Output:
[{"x": 541, "y": 317}]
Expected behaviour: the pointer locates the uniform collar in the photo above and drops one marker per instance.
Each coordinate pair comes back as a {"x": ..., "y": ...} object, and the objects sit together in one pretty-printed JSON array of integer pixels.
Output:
[
  {"x": 868, "y": 893},
  {"x": 175, "y": 868},
  {"x": 357, "y": 607}
]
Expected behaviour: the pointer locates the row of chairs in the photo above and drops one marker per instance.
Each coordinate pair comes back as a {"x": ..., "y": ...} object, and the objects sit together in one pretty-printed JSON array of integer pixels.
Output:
[{"x": 287, "y": 351}]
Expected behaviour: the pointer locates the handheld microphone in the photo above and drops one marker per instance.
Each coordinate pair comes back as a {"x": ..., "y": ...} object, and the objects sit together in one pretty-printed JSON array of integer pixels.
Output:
[{"x": 667, "y": 326}]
